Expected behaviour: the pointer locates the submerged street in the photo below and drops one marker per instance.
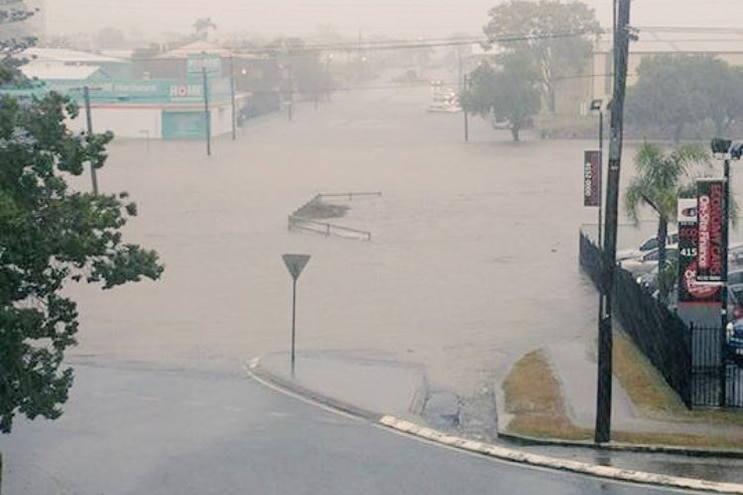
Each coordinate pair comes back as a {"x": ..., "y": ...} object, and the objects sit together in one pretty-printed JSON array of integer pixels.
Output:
[{"x": 471, "y": 264}]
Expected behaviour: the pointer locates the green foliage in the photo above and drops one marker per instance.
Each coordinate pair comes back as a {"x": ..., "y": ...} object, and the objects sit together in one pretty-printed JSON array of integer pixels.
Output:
[
  {"x": 676, "y": 91},
  {"x": 661, "y": 178},
  {"x": 554, "y": 35},
  {"x": 49, "y": 236},
  {"x": 13, "y": 40},
  {"x": 507, "y": 94}
]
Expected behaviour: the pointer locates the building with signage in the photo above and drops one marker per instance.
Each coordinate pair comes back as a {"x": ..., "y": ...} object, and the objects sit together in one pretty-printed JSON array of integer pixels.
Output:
[{"x": 165, "y": 108}]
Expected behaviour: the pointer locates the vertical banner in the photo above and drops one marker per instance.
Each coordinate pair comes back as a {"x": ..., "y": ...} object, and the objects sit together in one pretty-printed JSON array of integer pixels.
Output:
[
  {"x": 710, "y": 225},
  {"x": 689, "y": 290},
  {"x": 591, "y": 177}
]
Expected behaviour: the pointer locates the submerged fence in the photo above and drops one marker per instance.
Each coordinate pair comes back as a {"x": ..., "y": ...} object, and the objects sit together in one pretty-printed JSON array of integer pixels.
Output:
[{"x": 309, "y": 216}]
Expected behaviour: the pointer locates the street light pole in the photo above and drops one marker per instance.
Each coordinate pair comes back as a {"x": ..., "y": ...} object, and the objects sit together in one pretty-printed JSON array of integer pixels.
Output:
[{"x": 596, "y": 106}]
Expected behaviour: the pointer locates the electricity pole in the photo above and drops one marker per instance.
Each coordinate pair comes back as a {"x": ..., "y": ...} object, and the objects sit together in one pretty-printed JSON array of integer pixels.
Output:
[
  {"x": 232, "y": 95},
  {"x": 207, "y": 117},
  {"x": 609, "y": 252},
  {"x": 466, "y": 119}
]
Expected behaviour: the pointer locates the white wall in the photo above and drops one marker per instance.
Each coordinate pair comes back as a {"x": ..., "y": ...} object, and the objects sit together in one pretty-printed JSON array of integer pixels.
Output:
[
  {"x": 221, "y": 120},
  {"x": 125, "y": 122},
  {"x": 137, "y": 122}
]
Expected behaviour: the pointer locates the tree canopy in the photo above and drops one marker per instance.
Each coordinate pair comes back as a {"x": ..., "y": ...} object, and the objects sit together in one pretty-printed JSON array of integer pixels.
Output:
[
  {"x": 51, "y": 235},
  {"x": 507, "y": 94},
  {"x": 555, "y": 35},
  {"x": 677, "y": 91}
]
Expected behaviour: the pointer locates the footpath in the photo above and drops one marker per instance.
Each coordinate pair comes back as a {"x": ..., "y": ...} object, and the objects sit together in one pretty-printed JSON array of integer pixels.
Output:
[{"x": 396, "y": 394}]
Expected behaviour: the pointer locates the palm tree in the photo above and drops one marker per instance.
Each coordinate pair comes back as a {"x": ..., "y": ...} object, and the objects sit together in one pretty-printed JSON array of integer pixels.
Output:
[
  {"x": 202, "y": 27},
  {"x": 662, "y": 177}
]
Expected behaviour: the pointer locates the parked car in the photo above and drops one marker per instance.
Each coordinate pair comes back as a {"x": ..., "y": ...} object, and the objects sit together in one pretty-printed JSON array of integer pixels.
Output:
[
  {"x": 735, "y": 256},
  {"x": 649, "y": 280},
  {"x": 646, "y": 262},
  {"x": 734, "y": 329},
  {"x": 647, "y": 245}
]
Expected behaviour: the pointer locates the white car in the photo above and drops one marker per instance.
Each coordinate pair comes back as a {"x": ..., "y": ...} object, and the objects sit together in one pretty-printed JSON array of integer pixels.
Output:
[
  {"x": 648, "y": 245},
  {"x": 646, "y": 262}
]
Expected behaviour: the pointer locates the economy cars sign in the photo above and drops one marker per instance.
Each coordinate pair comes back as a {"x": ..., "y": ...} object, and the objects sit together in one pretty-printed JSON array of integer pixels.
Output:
[
  {"x": 591, "y": 178},
  {"x": 690, "y": 291},
  {"x": 711, "y": 251}
]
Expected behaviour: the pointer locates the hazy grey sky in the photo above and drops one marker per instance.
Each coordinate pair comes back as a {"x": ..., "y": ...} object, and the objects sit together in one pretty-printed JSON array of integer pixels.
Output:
[{"x": 409, "y": 18}]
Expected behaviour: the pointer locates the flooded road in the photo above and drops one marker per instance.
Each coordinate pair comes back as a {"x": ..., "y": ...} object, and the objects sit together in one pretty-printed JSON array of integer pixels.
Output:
[{"x": 473, "y": 259}]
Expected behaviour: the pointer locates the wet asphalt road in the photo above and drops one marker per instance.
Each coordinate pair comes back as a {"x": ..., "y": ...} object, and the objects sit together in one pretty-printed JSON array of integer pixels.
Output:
[{"x": 134, "y": 429}]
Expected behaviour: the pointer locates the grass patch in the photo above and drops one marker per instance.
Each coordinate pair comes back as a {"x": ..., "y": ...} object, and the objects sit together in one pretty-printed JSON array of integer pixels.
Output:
[
  {"x": 533, "y": 396},
  {"x": 646, "y": 388},
  {"x": 651, "y": 394},
  {"x": 317, "y": 209}
]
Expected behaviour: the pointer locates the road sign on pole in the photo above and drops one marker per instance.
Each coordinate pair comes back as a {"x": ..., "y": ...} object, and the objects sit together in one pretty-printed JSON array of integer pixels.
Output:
[{"x": 295, "y": 263}]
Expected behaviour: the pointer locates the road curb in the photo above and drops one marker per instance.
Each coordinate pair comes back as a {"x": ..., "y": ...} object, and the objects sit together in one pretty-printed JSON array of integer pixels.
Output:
[
  {"x": 255, "y": 370},
  {"x": 507, "y": 454},
  {"x": 623, "y": 447},
  {"x": 499, "y": 452}
]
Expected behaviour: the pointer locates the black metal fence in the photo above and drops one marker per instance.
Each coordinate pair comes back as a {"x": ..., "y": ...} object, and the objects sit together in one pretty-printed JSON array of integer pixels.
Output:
[{"x": 657, "y": 331}]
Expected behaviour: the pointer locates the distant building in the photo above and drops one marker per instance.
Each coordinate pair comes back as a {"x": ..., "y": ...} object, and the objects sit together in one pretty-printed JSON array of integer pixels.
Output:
[{"x": 159, "y": 108}]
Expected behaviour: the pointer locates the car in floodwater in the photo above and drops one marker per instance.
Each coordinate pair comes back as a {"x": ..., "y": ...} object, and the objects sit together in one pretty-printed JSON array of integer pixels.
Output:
[{"x": 734, "y": 329}]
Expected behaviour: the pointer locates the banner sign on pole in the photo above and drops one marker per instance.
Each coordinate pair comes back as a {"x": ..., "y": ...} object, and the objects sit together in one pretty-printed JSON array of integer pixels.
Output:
[
  {"x": 690, "y": 290},
  {"x": 710, "y": 224},
  {"x": 591, "y": 177}
]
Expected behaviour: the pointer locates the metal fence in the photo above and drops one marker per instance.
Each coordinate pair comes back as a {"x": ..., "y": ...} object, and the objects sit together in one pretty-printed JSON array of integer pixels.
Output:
[
  {"x": 717, "y": 379},
  {"x": 658, "y": 333},
  {"x": 692, "y": 360}
]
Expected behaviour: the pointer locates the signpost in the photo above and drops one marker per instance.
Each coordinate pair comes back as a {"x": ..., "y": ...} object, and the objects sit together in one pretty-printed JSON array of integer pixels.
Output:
[{"x": 294, "y": 263}]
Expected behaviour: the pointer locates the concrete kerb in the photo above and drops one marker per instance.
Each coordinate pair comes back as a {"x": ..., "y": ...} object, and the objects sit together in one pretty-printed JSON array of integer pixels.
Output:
[
  {"x": 623, "y": 447},
  {"x": 264, "y": 376},
  {"x": 499, "y": 452},
  {"x": 512, "y": 455}
]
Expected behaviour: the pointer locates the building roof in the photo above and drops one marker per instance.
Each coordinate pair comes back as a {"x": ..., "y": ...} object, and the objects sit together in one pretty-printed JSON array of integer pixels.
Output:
[
  {"x": 47, "y": 71},
  {"x": 196, "y": 47},
  {"x": 68, "y": 56}
]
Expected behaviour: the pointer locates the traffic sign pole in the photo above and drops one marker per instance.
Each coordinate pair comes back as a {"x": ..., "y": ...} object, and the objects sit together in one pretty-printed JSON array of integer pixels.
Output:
[
  {"x": 295, "y": 263},
  {"x": 294, "y": 318}
]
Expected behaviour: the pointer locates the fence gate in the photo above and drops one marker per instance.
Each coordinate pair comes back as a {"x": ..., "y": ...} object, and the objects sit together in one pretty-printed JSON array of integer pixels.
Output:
[{"x": 711, "y": 371}]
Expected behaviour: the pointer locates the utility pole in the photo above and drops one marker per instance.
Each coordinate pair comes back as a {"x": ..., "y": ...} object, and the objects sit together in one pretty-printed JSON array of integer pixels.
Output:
[
  {"x": 466, "y": 119},
  {"x": 609, "y": 253},
  {"x": 232, "y": 95},
  {"x": 89, "y": 118},
  {"x": 290, "y": 105},
  {"x": 207, "y": 117}
]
